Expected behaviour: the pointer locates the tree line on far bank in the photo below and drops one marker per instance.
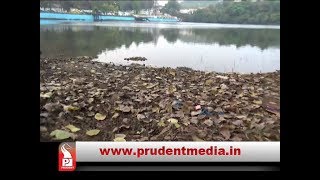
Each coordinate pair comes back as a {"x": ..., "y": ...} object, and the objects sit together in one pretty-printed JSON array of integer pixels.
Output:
[{"x": 245, "y": 12}]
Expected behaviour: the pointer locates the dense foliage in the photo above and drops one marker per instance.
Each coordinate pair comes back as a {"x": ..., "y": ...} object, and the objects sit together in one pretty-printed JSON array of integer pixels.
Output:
[{"x": 264, "y": 12}]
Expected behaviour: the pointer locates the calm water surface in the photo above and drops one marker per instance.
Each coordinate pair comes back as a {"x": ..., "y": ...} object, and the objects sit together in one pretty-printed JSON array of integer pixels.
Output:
[{"x": 201, "y": 46}]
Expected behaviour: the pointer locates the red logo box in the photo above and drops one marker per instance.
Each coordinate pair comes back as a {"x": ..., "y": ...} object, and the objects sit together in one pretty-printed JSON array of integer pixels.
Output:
[{"x": 67, "y": 156}]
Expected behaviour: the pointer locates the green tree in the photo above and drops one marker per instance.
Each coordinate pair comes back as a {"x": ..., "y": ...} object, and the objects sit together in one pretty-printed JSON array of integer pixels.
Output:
[
  {"x": 241, "y": 12},
  {"x": 172, "y": 8},
  {"x": 66, "y": 5}
]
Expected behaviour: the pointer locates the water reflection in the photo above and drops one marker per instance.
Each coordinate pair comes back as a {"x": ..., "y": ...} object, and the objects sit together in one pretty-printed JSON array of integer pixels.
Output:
[{"x": 245, "y": 50}]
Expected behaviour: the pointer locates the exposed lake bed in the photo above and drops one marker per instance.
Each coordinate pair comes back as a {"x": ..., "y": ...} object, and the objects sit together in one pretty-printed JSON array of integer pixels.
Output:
[{"x": 142, "y": 103}]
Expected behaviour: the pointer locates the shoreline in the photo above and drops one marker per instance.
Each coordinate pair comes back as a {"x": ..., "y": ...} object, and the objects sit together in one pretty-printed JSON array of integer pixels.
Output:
[{"x": 136, "y": 102}]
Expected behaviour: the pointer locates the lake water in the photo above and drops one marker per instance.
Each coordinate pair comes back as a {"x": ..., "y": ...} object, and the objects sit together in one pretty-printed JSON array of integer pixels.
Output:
[{"x": 200, "y": 46}]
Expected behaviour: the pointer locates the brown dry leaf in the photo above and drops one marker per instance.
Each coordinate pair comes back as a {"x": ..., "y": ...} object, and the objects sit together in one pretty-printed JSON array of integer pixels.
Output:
[
  {"x": 238, "y": 122},
  {"x": 195, "y": 113},
  {"x": 225, "y": 133},
  {"x": 172, "y": 89},
  {"x": 151, "y": 86},
  {"x": 236, "y": 138},
  {"x": 194, "y": 120},
  {"x": 115, "y": 115},
  {"x": 90, "y": 114},
  {"x": 222, "y": 77},
  {"x": 156, "y": 110},
  {"x": 79, "y": 117},
  {"x": 173, "y": 73},
  {"x": 257, "y": 102},
  {"x": 223, "y": 86},
  {"x": 124, "y": 108},
  {"x": 126, "y": 88},
  {"x": 46, "y": 95},
  {"x": 90, "y": 100},
  {"x": 140, "y": 116},
  {"x": 163, "y": 103},
  {"x": 70, "y": 108},
  {"x": 202, "y": 133},
  {"x": 50, "y": 107},
  {"x": 115, "y": 129},
  {"x": 195, "y": 138},
  {"x": 241, "y": 117},
  {"x": 209, "y": 82},
  {"x": 124, "y": 127},
  {"x": 208, "y": 122}
]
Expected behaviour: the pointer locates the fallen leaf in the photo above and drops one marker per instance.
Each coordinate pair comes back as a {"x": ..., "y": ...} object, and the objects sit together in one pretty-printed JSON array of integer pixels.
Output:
[
  {"x": 93, "y": 132},
  {"x": 115, "y": 129},
  {"x": 79, "y": 117},
  {"x": 156, "y": 110},
  {"x": 208, "y": 122},
  {"x": 124, "y": 127},
  {"x": 50, "y": 107},
  {"x": 225, "y": 133},
  {"x": 43, "y": 129},
  {"x": 171, "y": 89},
  {"x": 238, "y": 122},
  {"x": 236, "y": 138},
  {"x": 90, "y": 100},
  {"x": 195, "y": 138},
  {"x": 100, "y": 117},
  {"x": 241, "y": 117},
  {"x": 222, "y": 77},
  {"x": 140, "y": 116},
  {"x": 161, "y": 123},
  {"x": 126, "y": 88},
  {"x": 209, "y": 82},
  {"x": 223, "y": 86},
  {"x": 173, "y": 73},
  {"x": 173, "y": 121},
  {"x": 60, "y": 134},
  {"x": 195, "y": 113},
  {"x": 72, "y": 128},
  {"x": 176, "y": 125},
  {"x": 202, "y": 133},
  {"x": 90, "y": 114},
  {"x": 115, "y": 115},
  {"x": 70, "y": 108},
  {"x": 186, "y": 123},
  {"x": 119, "y": 135},
  {"x": 194, "y": 120},
  {"x": 257, "y": 102},
  {"x": 119, "y": 139},
  {"x": 151, "y": 86},
  {"x": 124, "y": 108},
  {"x": 46, "y": 95}
]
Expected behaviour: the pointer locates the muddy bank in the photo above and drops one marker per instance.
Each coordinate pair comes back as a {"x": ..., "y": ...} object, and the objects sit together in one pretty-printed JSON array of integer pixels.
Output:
[{"x": 91, "y": 101}]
